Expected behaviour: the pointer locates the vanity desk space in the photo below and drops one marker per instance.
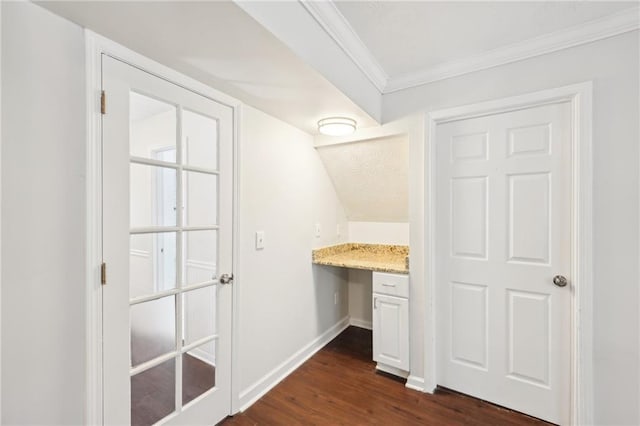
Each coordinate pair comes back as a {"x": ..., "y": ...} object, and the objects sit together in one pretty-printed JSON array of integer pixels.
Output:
[
  {"x": 374, "y": 257},
  {"x": 390, "y": 279}
]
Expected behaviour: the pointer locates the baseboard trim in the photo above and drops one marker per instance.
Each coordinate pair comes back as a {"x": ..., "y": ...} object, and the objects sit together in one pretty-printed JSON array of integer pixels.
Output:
[
  {"x": 356, "y": 322},
  {"x": 415, "y": 383},
  {"x": 392, "y": 370},
  {"x": 256, "y": 391}
]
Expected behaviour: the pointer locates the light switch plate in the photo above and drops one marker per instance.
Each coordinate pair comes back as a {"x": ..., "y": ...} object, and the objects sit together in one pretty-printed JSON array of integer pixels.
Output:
[
  {"x": 259, "y": 240},
  {"x": 317, "y": 230}
]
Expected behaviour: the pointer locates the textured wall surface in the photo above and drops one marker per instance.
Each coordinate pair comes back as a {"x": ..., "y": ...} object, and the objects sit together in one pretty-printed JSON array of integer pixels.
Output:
[{"x": 371, "y": 178}]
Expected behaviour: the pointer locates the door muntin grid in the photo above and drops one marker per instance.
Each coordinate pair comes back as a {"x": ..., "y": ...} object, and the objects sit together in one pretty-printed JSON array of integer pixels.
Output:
[{"x": 190, "y": 259}]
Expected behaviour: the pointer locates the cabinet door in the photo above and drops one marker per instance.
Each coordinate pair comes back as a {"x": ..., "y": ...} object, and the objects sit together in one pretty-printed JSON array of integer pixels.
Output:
[{"x": 391, "y": 331}]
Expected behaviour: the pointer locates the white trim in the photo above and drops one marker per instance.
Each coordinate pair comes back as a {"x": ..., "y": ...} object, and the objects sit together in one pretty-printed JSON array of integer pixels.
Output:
[
  {"x": 124, "y": 54},
  {"x": 336, "y": 25},
  {"x": 392, "y": 370},
  {"x": 93, "y": 223},
  {"x": 0, "y": 208},
  {"x": 95, "y": 46},
  {"x": 580, "y": 97},
  {"x": 275, "y": 376},
  {"x": 608, "y": 26},
  {"x": 237, "y": 276},
  {"x": 293, "y": 24},
  {"x": 415, "y": 383},
  {"x": 357, "y": 322}
]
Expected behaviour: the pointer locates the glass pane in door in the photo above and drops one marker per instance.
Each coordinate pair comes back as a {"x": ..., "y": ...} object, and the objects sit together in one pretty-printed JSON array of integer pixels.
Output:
[
  {"x": 200, "y": 255},
  {"x": 152, "y": 126},
  {"x": 199, "y": 314},
  {"x": 152, "y": 263},
  {"x": 198, "y": 371},
  {"x": 153, "y": 329},
  {"x": 200, "y": 195},
  {"x": 153, "y": 196},
  {"x": 200, "y": 134},
  {"x": 153, "y": 394}
]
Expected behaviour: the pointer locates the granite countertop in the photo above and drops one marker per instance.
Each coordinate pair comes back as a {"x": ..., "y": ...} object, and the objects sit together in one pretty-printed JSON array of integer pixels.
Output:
[{"x": 374, "y": 257}]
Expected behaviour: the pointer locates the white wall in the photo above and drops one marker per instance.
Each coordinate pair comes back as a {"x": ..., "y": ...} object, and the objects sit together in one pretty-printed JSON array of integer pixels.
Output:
[
  {"x": 43, "y": 159},
  {"x": 285, "y": 302},
  {"x": 360, "y": 297},
  {"x": 612, "y": 64},
  {"x": 396, "y": 233}
]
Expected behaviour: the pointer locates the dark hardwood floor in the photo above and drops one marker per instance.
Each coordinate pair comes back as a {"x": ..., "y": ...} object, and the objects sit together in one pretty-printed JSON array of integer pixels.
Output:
[
  {"x": 153, "y": 391},
  {"x": 339, "y": 386}
]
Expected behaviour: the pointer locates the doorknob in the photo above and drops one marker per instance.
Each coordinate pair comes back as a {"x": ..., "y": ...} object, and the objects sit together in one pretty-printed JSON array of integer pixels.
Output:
[
  {"x": 226, "y": 279},
  {"x": 560, "y": 280}
]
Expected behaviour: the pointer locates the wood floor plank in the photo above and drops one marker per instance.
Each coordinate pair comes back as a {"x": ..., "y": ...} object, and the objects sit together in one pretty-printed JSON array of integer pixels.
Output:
[{"x": 340, "y": 386}]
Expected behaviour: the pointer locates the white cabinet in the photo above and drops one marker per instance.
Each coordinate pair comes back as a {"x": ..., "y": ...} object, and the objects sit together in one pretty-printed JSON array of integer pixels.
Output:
[{"x": 391, "y": 322}]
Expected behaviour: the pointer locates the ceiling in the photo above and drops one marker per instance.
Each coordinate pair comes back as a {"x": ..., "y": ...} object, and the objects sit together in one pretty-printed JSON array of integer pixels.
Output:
[
  {"x": 302, "y": 61},
  {"x": 219, "y": 44},
  {"x": 406, "y": 37}
]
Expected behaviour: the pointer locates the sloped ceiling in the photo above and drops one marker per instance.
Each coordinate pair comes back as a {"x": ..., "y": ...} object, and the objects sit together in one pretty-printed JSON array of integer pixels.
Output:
[
  {"x": 371, "y": 178},
  {"x": 219, "y": 44}
]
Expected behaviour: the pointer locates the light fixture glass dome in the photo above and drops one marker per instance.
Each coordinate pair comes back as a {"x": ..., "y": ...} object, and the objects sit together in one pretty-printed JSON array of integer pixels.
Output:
[{"x": 336, "y": 126}]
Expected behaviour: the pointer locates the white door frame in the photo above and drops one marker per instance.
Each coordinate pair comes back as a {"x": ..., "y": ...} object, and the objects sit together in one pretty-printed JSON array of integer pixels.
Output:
[
  {"x": 0, "y": 206},
  {"x": 95, "y": 47},
  {"x": 580, "y": 98}
]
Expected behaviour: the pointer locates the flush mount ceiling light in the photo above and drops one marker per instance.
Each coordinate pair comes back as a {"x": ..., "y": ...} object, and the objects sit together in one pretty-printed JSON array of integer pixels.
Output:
[{"x": 336, "y": 126}]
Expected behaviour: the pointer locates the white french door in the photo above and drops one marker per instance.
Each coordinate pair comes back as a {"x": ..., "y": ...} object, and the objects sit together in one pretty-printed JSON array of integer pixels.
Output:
[
  {"x": 503, "y": 238},
  {"x": 167, "y": 241}
]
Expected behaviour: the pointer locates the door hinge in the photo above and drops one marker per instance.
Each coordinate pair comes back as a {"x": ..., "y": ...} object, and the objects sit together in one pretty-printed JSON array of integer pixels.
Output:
[
  {"x": 103, "y": 273},
  {"x": 103, "y": 103}
]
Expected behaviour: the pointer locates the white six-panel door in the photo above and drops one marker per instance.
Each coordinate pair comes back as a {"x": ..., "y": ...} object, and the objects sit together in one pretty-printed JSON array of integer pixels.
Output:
[
  {"x": 167, "y": 239},
  {"x": 503, "y": 233}
]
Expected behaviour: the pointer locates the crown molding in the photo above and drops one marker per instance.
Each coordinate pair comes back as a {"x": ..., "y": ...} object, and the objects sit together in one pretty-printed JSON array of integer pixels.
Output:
[
  {"x": 608, "y": 26},
  {"x": 327, "y": 15},
  {"x": 338, "y": 28}
]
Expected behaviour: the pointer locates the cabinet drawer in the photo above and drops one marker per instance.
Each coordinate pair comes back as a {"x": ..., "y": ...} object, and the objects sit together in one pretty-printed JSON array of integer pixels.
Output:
[{"x": 391, "y": 284}]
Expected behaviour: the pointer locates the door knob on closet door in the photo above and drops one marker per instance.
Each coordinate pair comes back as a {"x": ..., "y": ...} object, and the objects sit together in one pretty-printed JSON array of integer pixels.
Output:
[{"x": 560, "y": 281}]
